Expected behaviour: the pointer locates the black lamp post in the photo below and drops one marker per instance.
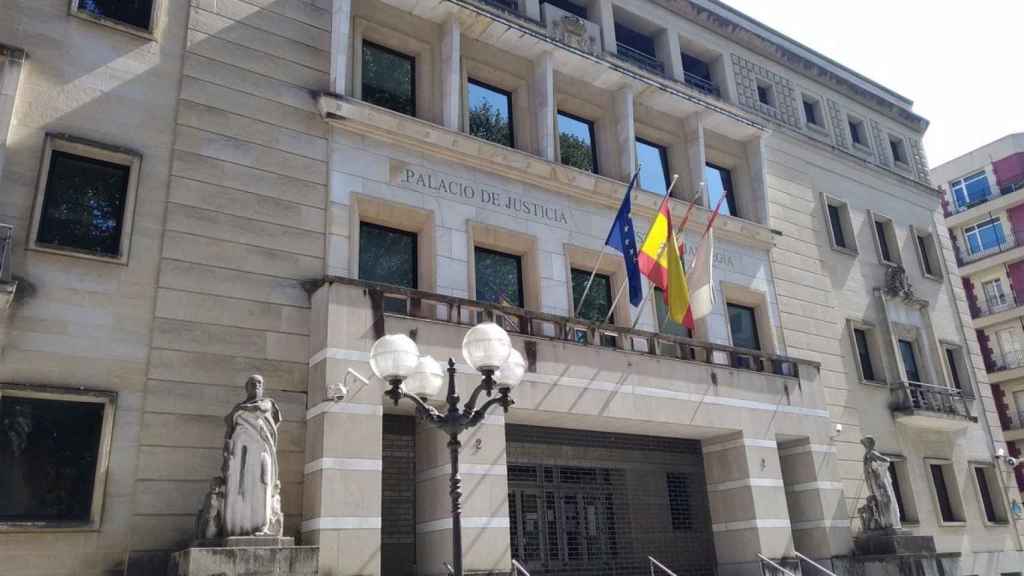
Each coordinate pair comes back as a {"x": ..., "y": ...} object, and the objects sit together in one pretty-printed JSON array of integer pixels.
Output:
[{"x": 395, "y": 359}]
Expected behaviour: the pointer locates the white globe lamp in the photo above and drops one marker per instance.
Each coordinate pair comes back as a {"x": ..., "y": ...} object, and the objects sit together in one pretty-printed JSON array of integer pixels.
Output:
[
  {"x": 426, "y": 380},
  {"x": 394, "y": 357},
  {"x": 512, "y": 371},
  {"x": 486, "y": 347}
]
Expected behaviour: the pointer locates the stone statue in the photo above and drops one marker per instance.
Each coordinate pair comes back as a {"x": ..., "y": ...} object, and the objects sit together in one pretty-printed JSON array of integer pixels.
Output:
[
  {"x": 881, "y": 511},
  {"x": 246, "y": 499}
]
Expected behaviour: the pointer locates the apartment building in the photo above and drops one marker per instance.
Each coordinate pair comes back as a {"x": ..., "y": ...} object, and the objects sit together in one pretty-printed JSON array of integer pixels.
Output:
[
  {"x": 983, "y": 197},
  {"x": 195, "y": 192}
]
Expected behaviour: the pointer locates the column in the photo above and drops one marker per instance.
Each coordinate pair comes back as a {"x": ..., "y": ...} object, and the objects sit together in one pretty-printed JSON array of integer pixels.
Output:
[
  {"x": 485, "y": 522},
  {"x": 451, "y": 73},
  {"x": 693, "y": 132},
  {"x": 341, "y": 47},
  {"x": 814, "y": 496},
  {"x": 341, "y": 508},
  {"x": 748, "y": 503},
  {"x": 543, "y": 87},
  {"x": 625, "y": 131},
  {"x": 601, "y": 12},
  {"x": 758, "y": 162},
  {"x": 11, "y": 60},
  {"x": 670, "y": 54}
]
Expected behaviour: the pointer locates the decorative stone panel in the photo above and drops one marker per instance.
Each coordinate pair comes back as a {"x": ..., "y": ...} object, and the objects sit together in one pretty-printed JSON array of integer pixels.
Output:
[
  {"x": 920, "y": 161},
  {"x": 836, "y": 118},
  {"x": 880, "y": 144},
  {"x": 747, "y": 74}
]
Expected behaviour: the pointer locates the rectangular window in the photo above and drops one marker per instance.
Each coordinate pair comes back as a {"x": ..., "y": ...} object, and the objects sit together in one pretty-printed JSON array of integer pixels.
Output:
[
  {"x": 954, "y": 365},
  {"x": 840, "y": 227},
  {"x": 653, "y": 159},
  {"x": 718, "y": 180},
  {"x": 984, "y": 236},
  {"x": 943, "y": 490},
  {"x": 867, "y": 367},
  {"x": 576, "y": 143},
  {"x": 388, "y": 256},
  {"x": 897, "y": 488},
  {"x": 836, "y": 224},
  {"x": 54, "y": 452},
  {"x": 988, "y": 486},
  {"x": 765, "y": 93},
  {"x": 857, "y": 132},
  {"x": 137, "y": 14},
  {"x": 599, "y": 298},
  {"x": 490, "y": 113},
  {"x": 885, "y": 239},
  {"x": 85, "y": 199},
  {"x": 697, "y": 73},
  {"x": 995, "y": 296},
  {"x": 812, "y": 111},
  {"x": 926, "y": 252},
  {"x": 499, "y": 277},
  {"x": 910, "y": 368},
  {"x": 970, "y": 190},
  {"x": 898, "y": 149},
  {"x": 389, "y": 78},
  {"x": 665, "y": 324},
  {"x": 743, "y": 327}
]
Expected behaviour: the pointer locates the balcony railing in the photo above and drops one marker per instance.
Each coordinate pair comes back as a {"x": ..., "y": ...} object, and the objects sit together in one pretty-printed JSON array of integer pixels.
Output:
[
  {"x": 641, "y": 59},
  {"x": 508, "y": 5},
  {"x": 1011, "y": 240},
  {"x": 702, "y": 84},
  {"x": 1007, "y": 361},
  {"x": 1015, "y": 421},
  {"x": 386, "y": 299},
  {"x": 994, "y": 305},
  {"x": 929, "y": 398}
]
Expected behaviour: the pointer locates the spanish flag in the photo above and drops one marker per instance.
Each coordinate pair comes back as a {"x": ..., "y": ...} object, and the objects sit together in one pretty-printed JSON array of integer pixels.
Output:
[{"x": 660, "y": 262}]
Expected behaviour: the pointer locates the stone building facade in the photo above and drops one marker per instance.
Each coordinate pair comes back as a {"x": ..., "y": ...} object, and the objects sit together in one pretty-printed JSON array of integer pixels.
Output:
[{"x": 273, "y": 184}]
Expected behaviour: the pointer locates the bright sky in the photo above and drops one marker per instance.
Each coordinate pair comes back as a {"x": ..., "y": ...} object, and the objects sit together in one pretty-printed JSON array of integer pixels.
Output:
[{"x": 962, "y": 63}]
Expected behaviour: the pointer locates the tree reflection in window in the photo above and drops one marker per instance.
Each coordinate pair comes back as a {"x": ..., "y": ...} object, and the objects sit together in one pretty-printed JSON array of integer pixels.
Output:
[
  {"x": 49, "y": 450},
  {"x": 599, "y": 298},
  {"x": 83, "y": 206},
  {"x": 389, "y": 79},
  {"x": 490, "y": 113},
  {"x": 576, "y": 142},
  {"x": 388, "y": 256},
  {"x": 499, "y": 277},
  {"x": 132, "y": 12}
]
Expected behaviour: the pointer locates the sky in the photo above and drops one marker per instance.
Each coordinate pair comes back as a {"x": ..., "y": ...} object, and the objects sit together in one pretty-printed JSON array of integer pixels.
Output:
[{"x": 962, "y": 63}]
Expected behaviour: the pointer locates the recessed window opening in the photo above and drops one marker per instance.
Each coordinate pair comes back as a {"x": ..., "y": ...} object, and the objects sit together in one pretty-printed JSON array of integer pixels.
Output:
[
  {"x": 718, "y": 180},
  {"x": 499, "y": 277},
  {"x": 388, "y": 78},
  {"x": 970, "y": 190},
  {"x": 653, "y": 160},
  {"x": 766, "y": 93},
  {"x": 576, "y": 143},
  {"x": 984, "y": 236},
  {"x": 857, "y": 132},
  {"x": 490, "y": 113}
]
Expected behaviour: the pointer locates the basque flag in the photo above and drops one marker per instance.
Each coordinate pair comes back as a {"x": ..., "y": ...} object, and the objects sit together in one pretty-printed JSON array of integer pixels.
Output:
[{"x": 622, "y": 238}]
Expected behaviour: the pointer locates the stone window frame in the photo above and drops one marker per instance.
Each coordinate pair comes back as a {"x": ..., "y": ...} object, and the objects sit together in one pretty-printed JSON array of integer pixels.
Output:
[
  {"x": 876, "y": 348},
  {"x": 601, "y": 117},
  {"x": 720, "y": 151},
  {"x": 771, "y": 98},
  {"x": 864, "y": 146},
  {"x": 520, "y": 113},
  {"x": 821, "y": 128},
  {"x": 932, "y": 252},
  {"x": 923, "y": 354},
  {"x": 674, "y": 147},
  {"x": 97, "y": 151},
  {"x": 901, "y": 468},
  {"x": 956, "y": 502},
  {"x": 149, "y": 33},
  {"x": 996, "y": 493},
  {"x": 109, "y": 401},
  {"x": 962, "y": 370},
  {"x": 392, "y": 39},
  {"x": 507, "y": 241},
  {"x": 400, "y": 217},
  {"x": 845, "y": 221},
  {"x": 758, "y": 300},
  {"x": 903, "y": 144},
  {"x": 582, "y": 258},
  {"x": 892, "y": 240}
]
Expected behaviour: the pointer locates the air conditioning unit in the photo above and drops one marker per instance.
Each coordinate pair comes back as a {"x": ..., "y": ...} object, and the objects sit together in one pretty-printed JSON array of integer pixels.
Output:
[
  {"x": 7, "y": 283},
  {"x": 570, "y": 29}
]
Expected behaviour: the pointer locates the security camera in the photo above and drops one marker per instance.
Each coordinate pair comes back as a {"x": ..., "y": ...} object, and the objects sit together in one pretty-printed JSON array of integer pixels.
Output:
[
  {"x": 839, "y": 428},
  {"x": 1012, "y": 462}
]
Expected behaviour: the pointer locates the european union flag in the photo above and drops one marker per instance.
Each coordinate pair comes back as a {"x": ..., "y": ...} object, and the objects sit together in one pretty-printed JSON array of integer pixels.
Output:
[{"x": 622, "y": 238}]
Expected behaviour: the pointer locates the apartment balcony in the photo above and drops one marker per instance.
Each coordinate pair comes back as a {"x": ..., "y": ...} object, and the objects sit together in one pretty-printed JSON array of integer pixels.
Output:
[
  {"x": 1009, "y": 250},
  {"x": 1013, "y": 426},
  {"x": 1008, "y": 197},
  {"x": 996, "y": 310},
  {"x": 930, "y": 407},
  {"x": 639, "y": 58},
  {"x": 1006, "y": 366}
]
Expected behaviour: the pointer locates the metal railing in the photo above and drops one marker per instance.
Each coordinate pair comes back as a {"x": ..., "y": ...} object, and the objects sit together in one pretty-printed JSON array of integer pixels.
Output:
[
  {"x": 817, "y": 567},
  {"x": 655, "y": 564},
  {"x": 508, "y": 5},
  {"x": 994, "y": 305},
  {"x": 930, "y": 398},
  {"x": 956, "y": 208},
  {"x": 518, "y": 569},
  {"x": 701, "y": 84},
  {"x": 1007, "y": 361},
  {"x": 437, "y": 307},
  {"x": 642, "y": 59},
  {"x": 770, "y": 568},
  {"x": 6, "y": 245},
  {"x": 1009, "y": 242}
]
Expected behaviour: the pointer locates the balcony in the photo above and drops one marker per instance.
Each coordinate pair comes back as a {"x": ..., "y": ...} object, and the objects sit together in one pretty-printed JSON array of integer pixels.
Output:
[
  {"x": 701, "y": 84},
  {"x": 640, "y": 58},
  {"x": 995, "y": 310},
  {"x": 930, "y": 407},
  {"x": 1013, "y": 426},
  {"x": 1007, "y": 361},
  {"x": 1009, "y": 242}
]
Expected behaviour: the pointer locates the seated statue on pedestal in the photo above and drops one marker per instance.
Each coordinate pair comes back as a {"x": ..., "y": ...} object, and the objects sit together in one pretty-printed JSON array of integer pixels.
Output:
[{"x": 246, "y": 499}]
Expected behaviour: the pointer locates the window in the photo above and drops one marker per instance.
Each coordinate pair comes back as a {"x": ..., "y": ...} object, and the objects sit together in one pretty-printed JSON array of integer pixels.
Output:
[
  {"x": 654, "y": 166},
  {"x": 388, "y": 256},
  {"x": 901, "y": 485},
  {"x": 898, "y": 149},
  {"x": 955, "y": 364},
  {"x": 970, "y": 190},
  {"x": 679, "y": 507},
  {"x": 944, "y": 484},
  {"x": 984, "y": 236},
  {"x": 665, "y": 324},
  {"x": 909, "y": 357},
  {"x": 995, "y": 296},
  {"x": 765, "y": 93},
  {"x": 718, "y": 180},
  {"x": 499, "y": 277},
  {"x": 743, "y": 327},
  {"x": 926, "y": 252},
  {"x": 697, "y": 73},
  {"x": 570, "y": 7},
  {"x": 85, "y": 199},
  {"x": 576, "y": 143},
  {"x": 812, "y": 111},
  {"x": 599, "y": 298},
  {"x": 389, "y": 78},
  {"x": 864, "y": 354},
  {"x": 885, "y": 240},
  {"x": 132, "y": 15},
  {"x": 988, "y": 492},
  {"x": 840, "y": 228},
  {"x": 54, "y": 448},
  {"x": 857, "y": 132},
  {"x": 490, "y": 113}
]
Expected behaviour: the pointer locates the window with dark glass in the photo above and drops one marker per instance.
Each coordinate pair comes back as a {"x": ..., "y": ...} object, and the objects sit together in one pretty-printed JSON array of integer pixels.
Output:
[
  {"x": 925, "y": 253},
  {"x": 665, "y": 324},
  {"x": 697, "y": 73},
  {"x": 836, "y": 224},
  {"x": 765, "y": 94},
  {"x": 653, "y": 159},
  {"x": 570, "y": 7},
  {"x": 634, "y": 42},
  {"x": 490, "y": 113},
  {"x": 954, "y": 368},
  {"x": 942, "y": 493},
  {"x": 898, "y": 149},
  {"x": 811, "y": 112},
  {"x": 897, "y": 489},
  {"x": 599, "y": 298},
  {"x": 135, "y": 13},
  {"x": 718, "y": 180},
  {"x": 388, "y": 256},
  {"x": 986, "y": 495},
  {"x": 389, "y": 78},
  {"x": 743, "y": 325},
  {"x": 909, "y": 357},
  {"x": 84, "y": 205},
  {"x": 857, "y": 132},
  {"x": 881, "y": 233},
  {"x": 867, "y": 368},
  {"x": 499, "y": 277},
  {"x": 576, "y": 142},
  {"x": 50, "y": 450}
]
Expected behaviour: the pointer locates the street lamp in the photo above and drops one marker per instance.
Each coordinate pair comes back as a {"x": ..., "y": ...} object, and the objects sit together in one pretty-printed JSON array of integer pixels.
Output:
[{"x": 487, "y": 348}]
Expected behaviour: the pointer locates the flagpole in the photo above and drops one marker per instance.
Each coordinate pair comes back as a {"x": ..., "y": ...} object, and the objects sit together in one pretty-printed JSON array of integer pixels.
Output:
[{"x": 604, "y": 248}]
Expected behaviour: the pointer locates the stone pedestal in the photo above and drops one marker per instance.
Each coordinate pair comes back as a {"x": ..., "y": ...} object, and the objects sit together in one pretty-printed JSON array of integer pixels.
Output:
[
  {"x": 893, "y": 542},
  {"x": 246, "y": 556},
  {"x": 895, "y": 552}
]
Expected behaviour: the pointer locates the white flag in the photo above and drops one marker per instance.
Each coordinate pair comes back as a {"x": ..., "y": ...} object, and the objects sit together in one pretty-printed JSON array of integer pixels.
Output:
[{"x": 702, "y": 295}]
